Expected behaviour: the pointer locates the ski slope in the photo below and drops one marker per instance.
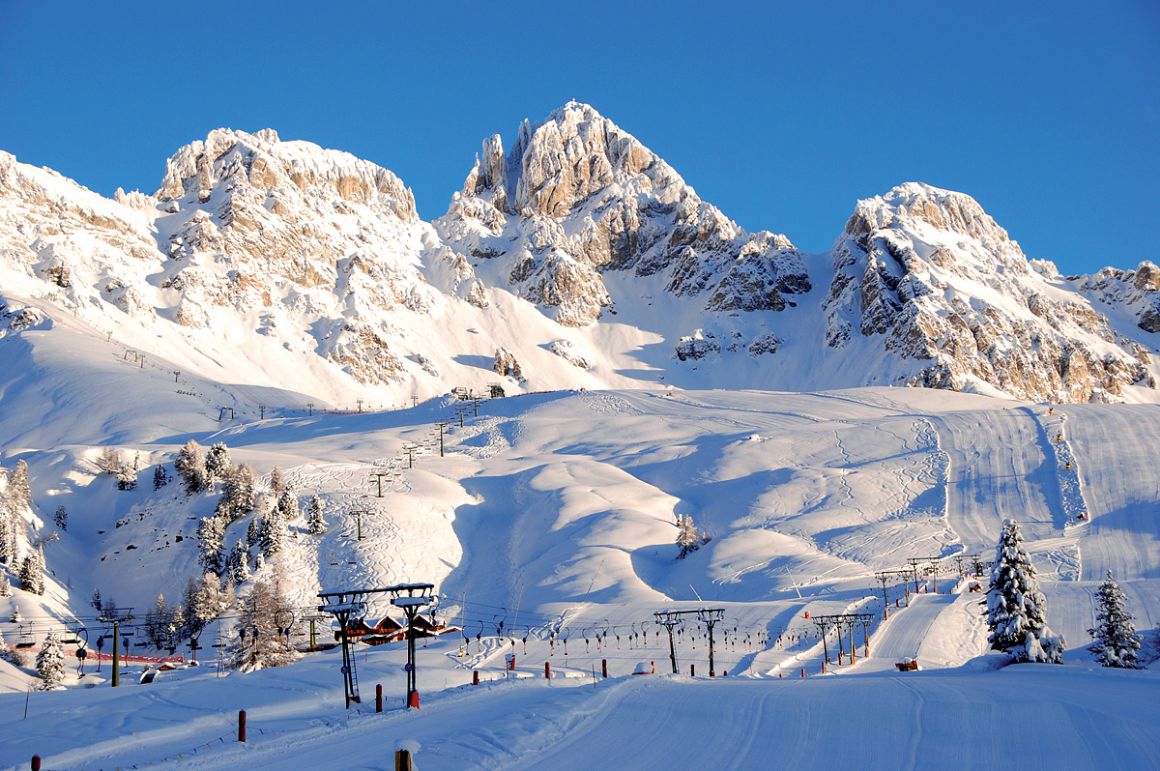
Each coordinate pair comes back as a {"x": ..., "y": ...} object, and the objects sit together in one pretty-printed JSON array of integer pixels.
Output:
[{"x": 547, "y": 524}]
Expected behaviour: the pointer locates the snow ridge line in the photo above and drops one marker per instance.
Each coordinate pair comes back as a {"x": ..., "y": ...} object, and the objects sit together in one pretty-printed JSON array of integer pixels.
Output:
[{"x": 1066, "y": 468}]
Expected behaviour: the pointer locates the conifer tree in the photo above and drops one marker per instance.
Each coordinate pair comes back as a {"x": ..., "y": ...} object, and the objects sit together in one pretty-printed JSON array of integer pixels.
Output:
[
  {"x": 110, "y": 460},
  {"x": 238, "y": 564},
  {"x": 239, "y": 493},
  {"x": 61, "y": 518},
  {"x": 50, "y": 663},
  {"x": 271, "y": 534},
  {"x": 277, "y": 482},
  {"x": 210, "y": 535},
  {"x": 19, "y": 492},
  {"x": 286, "y": 510},
  {"x": 689, "y": 539},
  {"x": 1016, "y": 609},
  {"x": 1116, "y": 643},
  {"x": 95, "y": 600},
  {"x": 5, "y": 586},
  {"x": 5, "y": 654},
  {"x": 32, "y": 572},
  {"x": 261, "y": 642},
  {"x": 252, "y": 531},
  {"x": 315, "y": 522},
  {"x": 190, "y": 466},
  {"x": 126, "y": 479},
  {"x": 160, "y": 477},
  {"x": 157, "y": 621},
  {"x": 217, "y": 463}
]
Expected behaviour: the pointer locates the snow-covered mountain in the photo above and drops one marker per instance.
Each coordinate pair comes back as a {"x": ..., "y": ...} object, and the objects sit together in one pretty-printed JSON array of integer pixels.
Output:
[{"x": 576, "y": 258}]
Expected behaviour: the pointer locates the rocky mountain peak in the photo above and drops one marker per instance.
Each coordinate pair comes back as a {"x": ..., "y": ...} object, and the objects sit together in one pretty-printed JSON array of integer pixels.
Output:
[
  {"x": 229, "y": 161},
  {"x": 578, "y": 196}
]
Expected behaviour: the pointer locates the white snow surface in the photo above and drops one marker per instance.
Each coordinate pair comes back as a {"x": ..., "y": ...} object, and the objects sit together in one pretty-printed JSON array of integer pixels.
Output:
[{"x": 548, "y": 529}]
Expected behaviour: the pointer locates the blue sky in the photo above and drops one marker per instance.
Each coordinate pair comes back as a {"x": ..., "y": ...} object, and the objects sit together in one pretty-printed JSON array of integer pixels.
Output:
[{"x": 782, "y": 114}]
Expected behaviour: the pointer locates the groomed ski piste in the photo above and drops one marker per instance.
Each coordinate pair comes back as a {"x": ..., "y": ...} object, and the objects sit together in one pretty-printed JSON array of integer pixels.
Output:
[{"x": 548, "y": 526}]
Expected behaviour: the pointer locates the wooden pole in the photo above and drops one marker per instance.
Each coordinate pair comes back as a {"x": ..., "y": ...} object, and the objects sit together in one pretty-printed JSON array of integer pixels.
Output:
[
  {"x": 402, "y": 760},
  {"x": 241, "y": 725}
]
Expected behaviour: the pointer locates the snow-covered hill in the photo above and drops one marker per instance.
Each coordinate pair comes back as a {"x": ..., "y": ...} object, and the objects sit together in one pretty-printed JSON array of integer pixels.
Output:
[{"x": 576, "y": 258}]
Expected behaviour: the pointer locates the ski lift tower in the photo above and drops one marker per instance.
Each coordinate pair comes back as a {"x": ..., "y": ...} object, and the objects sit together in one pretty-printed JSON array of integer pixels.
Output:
[{"x": 411, "y": 598}]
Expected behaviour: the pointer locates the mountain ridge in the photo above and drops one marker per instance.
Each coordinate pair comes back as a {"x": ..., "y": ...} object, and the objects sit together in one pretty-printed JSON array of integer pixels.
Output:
[{"x": 578, "y": 254}]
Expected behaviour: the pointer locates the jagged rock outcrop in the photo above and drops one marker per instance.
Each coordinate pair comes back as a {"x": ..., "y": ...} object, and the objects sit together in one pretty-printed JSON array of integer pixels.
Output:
[
  {"x": 942, "y": 285},
  {"x": 577, "y": 197},
  {"x": 506, "y": 364},
  {"x": 1135, "y": 291}
]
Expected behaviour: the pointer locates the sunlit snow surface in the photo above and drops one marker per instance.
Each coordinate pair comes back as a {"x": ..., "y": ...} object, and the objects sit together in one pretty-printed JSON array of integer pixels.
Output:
[{"x": 554, "y": 514}]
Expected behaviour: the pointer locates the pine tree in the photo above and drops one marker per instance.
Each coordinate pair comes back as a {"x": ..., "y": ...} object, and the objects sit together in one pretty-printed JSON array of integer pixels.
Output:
[
  {"x": 203, "y": 601},
  {"x": 261, "y": 643},
  {"x": 210, "y": 536},
  {"x": 271, "y": 534},
  {"x": 1116, "y": 643},
  {"x": 126, "y": 479},
  {"x": 5, "y": 587},
  {"x": 176, "y": 627},
  {"x": 157, "y": 621},
  {"x": 239, "y": 493},
  {"x": 61, "y": 518},
  {"x": 277, "y": 482},
  {"x": 5, "y": 654},
  {"x": 190, "y": 466},
  {"x": 217, "y": 463},
  {"x": 286, "y": 510},
  {"x": 110, "y": 461},
  {"x": 32, "y": 572},
  {"x": 689, "y": 539},
  {"x": 8, "y": 531},
  {"x": 238, "y": 564},
  {"x": 315, "y": 522},
  {"x": 95, "y": 600},
  {"x": 19, "y": 492},
  {"x": 160, "y": 477},
  {"x": 50, "y": 663},
  {"x": 252, "y": 531},
  {"x": 1016, "y": 609}
]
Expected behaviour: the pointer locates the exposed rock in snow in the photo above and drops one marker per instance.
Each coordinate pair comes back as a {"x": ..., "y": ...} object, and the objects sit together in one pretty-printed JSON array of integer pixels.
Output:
[
  {"x": 942, "y": 284},
  {"x": 577, "y": 197},
  {"x": 567, "y": 351},
  {"x": 505, "y": 364},
  {"x": 697, "y": 346}
]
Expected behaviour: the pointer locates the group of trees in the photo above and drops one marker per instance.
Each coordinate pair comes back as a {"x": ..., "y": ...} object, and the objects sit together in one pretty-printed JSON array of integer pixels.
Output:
[
  {"x": 1017, "y": 609},
  {"x": 113, "y": 463},
  {"x": 15, "y": 501},
  {"x": 689, "y": 538},
  {"x": 269, "y": 525}
]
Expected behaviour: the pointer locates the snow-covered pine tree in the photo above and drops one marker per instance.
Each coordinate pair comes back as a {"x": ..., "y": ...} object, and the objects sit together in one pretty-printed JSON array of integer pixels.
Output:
[
  {"x": 5, "y": 654},
  {"x": 50, "y": 663},
  {"x": 19, "y": 491},
  {"x": 271, "y": 534},
  {"x": 61, "y": 518},
  {"x": 8, "y": 530},
  {"x": 261, "y": 643},
  {"x": 1016, "y": 609},
  {"x": 210, "y": 536},
  {"x": 1116, "y": 643},
  {"x": 239, "y": 493},
  {"x": 110, "y": 460},
  {"x": 277, "y": 481},
  {"x": 204, "y": 601},
  {"x": 287, "y": 509},
  {"x": 5, "y": 586},
  {"x": 160, "y": 477},
  {"x": 315, "y": 522},
  {"x": 126, "y": 478},
  {"x": 32, "y": 572},
  {"x": 95, "y": 600},
  {"x": 689, "y": 539},
  {"x": 190, "y": 466},
  {"x": 157, "y": 621},
  {"x": 252, "y": 531},
  {"x": 217, "y": 462},
  {"x": 238, "y": 564},
  {"x": 176, "y": 628}
]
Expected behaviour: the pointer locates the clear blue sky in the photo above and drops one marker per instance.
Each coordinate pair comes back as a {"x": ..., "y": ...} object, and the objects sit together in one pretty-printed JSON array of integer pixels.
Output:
[{"x": 782, "y": 114}]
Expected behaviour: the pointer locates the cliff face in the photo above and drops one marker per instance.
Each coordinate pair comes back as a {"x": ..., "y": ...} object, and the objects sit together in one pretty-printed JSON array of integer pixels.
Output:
[
  {"x": 578, "y": 253},
  {"x": 940, "y": 283},
  {"x": 577, "y": 198}
]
